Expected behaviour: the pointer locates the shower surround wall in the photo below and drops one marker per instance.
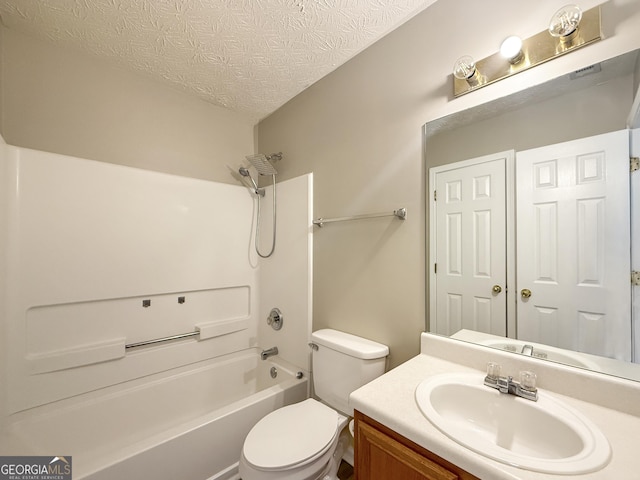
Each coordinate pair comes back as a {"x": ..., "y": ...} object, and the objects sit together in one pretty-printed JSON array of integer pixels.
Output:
[
  {"x": 89, "y": 244},
  {"x": 285, "y": 277}
]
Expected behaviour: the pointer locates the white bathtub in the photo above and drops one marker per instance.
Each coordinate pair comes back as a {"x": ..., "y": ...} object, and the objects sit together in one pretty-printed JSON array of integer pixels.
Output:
[{"x": 185, "y": 424}]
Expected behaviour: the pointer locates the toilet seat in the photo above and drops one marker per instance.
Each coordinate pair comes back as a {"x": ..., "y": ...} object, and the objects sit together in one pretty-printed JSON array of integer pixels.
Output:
[{"x": 291, "y": 436}]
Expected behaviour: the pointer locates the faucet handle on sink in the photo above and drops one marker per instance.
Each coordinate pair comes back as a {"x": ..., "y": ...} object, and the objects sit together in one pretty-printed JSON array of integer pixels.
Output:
[
  {"x": 528, "y": 380},
  {"x": 493, "y": 372}
]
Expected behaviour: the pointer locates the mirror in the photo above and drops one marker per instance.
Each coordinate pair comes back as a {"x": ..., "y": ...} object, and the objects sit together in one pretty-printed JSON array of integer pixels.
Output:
[{"x": 592, "y": 101}]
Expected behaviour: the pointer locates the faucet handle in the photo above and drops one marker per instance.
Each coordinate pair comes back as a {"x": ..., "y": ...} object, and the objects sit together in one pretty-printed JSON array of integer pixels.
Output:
[
  {"x": 493, "y": 371},
  {"x": 528, "y": 380}
]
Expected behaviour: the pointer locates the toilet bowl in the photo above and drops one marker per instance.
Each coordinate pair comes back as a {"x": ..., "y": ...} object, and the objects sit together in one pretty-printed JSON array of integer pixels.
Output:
[
  {"x": 296, "y": 442},
  {"x": 307, "y": 440}
]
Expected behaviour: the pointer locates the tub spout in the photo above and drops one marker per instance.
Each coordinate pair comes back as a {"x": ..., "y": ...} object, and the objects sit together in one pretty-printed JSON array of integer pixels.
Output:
[{"x": 269, "y": 352}]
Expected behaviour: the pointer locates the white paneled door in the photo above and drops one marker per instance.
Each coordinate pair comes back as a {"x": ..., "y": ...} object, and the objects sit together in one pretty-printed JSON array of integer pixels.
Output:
[
  {"x": 573, "y": 245},
  {"x": 469, "y": 219}
]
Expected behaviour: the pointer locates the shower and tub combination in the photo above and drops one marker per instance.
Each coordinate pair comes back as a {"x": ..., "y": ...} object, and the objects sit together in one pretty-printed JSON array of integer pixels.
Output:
[
  {"x": 186, "y": 424},
  {"x": 103, "y": 261}
]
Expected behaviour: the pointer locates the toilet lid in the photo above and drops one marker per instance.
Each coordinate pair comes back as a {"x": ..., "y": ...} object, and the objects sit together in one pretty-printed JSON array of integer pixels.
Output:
[{"x": 291, "y": 435}]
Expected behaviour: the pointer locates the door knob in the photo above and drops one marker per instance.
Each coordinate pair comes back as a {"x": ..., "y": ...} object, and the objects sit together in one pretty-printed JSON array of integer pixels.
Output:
[
  {"x": 496, "y": 289},
  {"x": 525, "y": 292}
]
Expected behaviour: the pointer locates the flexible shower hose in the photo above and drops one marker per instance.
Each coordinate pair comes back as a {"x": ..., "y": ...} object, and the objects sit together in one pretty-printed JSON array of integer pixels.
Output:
[{"x": 273, "y": 244}]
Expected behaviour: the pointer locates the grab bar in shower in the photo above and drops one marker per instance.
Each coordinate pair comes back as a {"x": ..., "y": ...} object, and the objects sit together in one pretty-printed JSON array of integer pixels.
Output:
[
  {"x": 401, "y": 213},
  {"x": 161, "y": 340},
  {"x": 103, "y": 350},
  {"x": 205, "y": 330}
]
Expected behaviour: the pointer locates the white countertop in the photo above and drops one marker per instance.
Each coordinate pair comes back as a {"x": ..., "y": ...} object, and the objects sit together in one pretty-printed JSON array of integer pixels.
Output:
[{"x": 390, "y": 400}]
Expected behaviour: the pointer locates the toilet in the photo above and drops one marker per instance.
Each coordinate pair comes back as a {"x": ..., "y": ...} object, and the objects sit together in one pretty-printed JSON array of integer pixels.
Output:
[{"x": 307, "y": 440}]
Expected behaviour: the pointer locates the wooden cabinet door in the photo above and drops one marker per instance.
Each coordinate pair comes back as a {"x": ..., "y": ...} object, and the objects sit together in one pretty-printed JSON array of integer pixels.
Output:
[{"x": 381, "y": 454}]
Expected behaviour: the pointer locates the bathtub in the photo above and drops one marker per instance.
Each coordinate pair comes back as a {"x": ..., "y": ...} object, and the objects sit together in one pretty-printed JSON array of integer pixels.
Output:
[{"x": 189, "y": 423}]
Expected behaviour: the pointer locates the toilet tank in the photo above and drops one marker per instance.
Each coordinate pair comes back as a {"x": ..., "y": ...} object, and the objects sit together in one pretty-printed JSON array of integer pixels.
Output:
[{"x": 343, "y": 363}]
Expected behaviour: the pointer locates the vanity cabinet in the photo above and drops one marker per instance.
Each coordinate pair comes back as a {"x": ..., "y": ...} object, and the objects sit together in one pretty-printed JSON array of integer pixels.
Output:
[{"x": 382, "y": 454}]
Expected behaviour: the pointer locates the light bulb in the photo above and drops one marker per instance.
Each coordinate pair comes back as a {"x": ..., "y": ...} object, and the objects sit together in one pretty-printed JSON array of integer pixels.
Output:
[
  {"x": 565, "y": 21},
  {"x": 464, "y": 68},
  {"x": 511, "y": 49}
]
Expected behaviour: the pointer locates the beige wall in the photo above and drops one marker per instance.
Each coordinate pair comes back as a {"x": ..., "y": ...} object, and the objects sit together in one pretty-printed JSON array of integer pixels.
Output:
[
  {"x": 359, "y": 131},
  {"x": 591, "y": 111},
  {"x": 67, "y": 102}
]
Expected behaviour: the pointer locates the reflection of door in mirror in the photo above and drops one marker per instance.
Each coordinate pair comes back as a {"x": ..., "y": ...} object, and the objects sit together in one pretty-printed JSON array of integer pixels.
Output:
[
  {"x": 573, "y": 245},
  {"x": 469, "y": 206},
  {"x": 571, "y": 236}
]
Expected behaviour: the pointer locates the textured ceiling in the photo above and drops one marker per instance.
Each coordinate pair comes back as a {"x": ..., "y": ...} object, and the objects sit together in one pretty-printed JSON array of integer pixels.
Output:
[{"x": 251, "y": 56}]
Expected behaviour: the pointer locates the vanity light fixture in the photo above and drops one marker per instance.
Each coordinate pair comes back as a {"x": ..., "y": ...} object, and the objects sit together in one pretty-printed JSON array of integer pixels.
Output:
[{"x": 569, "y": 29}]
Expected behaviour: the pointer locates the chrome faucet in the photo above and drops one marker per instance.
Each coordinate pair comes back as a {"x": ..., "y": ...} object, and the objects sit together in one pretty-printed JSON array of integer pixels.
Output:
[
  {"x": 525, "y": 388},
  {"x": 527, "y": 350},
  {"x": 269, "y": 352}
]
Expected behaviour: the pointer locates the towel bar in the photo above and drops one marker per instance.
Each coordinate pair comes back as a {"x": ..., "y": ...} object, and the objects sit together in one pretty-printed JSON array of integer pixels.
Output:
[{"x": 401, "y": 213}]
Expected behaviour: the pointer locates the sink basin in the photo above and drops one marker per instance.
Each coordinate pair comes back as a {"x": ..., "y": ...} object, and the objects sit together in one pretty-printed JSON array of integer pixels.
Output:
[{"x": 545, "y": 436}]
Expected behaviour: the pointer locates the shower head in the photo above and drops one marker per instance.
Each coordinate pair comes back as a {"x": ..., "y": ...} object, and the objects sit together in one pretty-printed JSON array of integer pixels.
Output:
[
  {"x": 245, "y": 173},
  {"x": 261, "y": 163}
]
